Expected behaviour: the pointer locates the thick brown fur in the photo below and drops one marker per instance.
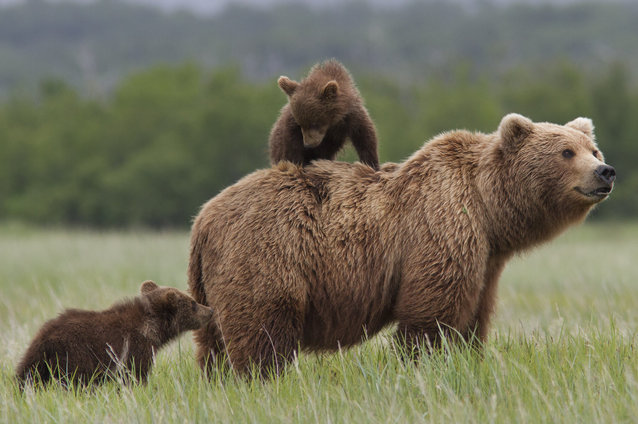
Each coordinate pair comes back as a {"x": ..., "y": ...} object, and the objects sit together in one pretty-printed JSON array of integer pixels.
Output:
[
  {"x": 91, "y": 346},
  {"x": 320, "y": 257},
  {"x": 324, "y": 110}
]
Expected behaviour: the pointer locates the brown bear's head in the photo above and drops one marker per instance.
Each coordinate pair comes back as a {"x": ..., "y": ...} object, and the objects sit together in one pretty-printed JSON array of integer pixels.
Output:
[
  {"x": 316, "y": 104},
  {"x": 558, "y": 167},
  {"x": 175, "y": 308}
]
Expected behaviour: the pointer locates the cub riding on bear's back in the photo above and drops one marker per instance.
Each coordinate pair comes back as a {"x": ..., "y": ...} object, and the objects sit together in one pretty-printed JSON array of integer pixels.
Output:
[{"x": 324, "y": 110}]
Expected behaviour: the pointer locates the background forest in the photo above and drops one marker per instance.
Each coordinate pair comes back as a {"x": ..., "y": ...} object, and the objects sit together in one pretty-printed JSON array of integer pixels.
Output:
[{"x": 114, "y": 115}]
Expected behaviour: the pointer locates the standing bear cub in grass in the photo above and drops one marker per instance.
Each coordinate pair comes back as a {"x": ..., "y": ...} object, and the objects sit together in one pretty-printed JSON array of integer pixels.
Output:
[
  {"x": 321, "y": 257},
  {"x": 92, "y": 346},
  {"x": 324, "y": 110}
]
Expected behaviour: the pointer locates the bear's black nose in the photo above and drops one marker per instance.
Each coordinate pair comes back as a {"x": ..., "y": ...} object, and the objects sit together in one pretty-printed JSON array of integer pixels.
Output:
[{"x": 606, "y": 173}]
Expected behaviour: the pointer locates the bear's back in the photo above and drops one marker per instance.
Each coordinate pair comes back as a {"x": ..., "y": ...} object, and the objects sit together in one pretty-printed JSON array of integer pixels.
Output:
[{"x": 290, "y": 195}]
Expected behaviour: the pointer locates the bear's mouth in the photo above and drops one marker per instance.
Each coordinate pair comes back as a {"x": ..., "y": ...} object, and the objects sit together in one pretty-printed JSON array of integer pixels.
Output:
[{"x": 598, "y": 193}]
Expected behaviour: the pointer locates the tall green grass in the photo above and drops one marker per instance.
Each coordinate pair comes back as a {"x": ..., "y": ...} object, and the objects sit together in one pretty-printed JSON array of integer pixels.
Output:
[{"x": 562, "y": 347}]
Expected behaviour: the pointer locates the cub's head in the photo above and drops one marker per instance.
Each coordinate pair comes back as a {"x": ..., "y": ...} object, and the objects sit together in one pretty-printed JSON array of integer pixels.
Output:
[
  {"x": 557, "y": 166},
  {"x": 316, "y": 104},
  {"x": 176, "y": 310}
]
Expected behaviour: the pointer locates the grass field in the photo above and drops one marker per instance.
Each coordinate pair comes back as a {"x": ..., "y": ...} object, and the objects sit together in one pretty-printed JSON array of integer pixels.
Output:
[{"x": 563, "y": 347}]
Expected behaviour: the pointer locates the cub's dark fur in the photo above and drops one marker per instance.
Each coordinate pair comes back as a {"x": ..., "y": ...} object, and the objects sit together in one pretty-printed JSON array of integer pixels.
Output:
[
  {"x": 324, "y": 110},
  {"x": 91, "y": 346}
]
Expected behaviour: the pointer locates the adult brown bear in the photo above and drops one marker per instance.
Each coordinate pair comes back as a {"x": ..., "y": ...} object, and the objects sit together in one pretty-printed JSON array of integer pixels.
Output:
[{"x": 318, "y": 257}]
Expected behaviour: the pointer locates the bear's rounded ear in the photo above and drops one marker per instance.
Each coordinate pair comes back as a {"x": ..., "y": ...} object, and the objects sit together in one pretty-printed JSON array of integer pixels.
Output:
[
  {"x": 584, "y": 125},
  {"x": 148, "y": 286},
  {"x": 287, "y": 85},
  {"x": 330, "y": 90},
  {"x": 514, "y": 129}
]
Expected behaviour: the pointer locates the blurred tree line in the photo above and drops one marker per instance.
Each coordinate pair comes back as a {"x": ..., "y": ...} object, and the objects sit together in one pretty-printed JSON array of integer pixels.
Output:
[
  {"x": 93, "y": 44},
  {"x": 169, "y": 138}
]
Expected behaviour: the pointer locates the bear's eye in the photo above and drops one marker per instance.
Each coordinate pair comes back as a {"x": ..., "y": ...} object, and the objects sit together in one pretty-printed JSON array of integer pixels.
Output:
[
  {"x": 568, "y": 153},
  {"x": 595, "y": 153},
  {"x": 193, "y": 305}
]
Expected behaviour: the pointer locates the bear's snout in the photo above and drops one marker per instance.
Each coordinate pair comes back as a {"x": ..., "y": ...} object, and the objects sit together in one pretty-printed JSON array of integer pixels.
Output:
[
  {"x": 606, "y": 174},
  {"x": 312, "y": 137},
  {"x": 204, "y": 313}
]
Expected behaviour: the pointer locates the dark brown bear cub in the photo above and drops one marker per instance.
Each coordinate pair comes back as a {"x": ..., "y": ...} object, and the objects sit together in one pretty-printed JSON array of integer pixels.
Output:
[
  {"x": 92, "y": 346},
  {"x": 324, "y": 110}
]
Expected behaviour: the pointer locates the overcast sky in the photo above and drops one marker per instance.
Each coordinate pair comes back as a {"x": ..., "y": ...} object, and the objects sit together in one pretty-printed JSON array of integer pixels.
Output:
[{"x": 212, "y": 6}]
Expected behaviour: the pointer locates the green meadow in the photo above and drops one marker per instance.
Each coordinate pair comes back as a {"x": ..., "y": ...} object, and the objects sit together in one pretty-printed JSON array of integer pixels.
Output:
[{"x": 562, "y": 347}]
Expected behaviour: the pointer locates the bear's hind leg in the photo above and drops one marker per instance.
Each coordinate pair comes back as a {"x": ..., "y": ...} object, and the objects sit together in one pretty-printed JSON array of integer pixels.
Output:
[
  {"x": 266, "y": 343},
  {"x": 210, "y": 346}
]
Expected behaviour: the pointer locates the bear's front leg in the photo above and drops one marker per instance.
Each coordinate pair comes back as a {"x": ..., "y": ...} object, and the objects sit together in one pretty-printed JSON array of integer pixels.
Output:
[
  {"x": 286, "y": 141},
  {"x": 436, "y": 304},
  {"x": 411, "y": 338},
  {"x": 364, "y": 139},
  {"x": 476, "y": 332}
]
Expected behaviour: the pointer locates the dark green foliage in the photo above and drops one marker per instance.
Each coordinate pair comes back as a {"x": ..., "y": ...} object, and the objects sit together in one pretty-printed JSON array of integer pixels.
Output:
[
  {"x": 169, "y": 138},
  {"x": 165, "y": 141}
]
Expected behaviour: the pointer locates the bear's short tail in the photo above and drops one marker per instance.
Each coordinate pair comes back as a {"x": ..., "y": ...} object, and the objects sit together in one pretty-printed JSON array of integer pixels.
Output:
[{"x": 195, "y": 271}]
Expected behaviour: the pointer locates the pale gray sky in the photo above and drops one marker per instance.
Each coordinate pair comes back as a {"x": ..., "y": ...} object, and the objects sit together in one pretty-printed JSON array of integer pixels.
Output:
[{"x": 212, "y": 6}]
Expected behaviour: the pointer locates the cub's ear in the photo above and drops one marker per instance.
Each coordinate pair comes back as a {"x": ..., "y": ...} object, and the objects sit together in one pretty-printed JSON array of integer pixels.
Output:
[
  {"x": 330, "y": 90},
  {"x": 514, "y": 130},
  {"x": 287, "y": 85},
  {"x": 148, "y": 286},
  {"x": 584, "y": 125}
]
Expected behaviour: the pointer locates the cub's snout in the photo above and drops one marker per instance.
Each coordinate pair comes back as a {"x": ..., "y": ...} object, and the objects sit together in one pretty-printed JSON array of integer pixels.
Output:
[{"x": 204, "y": 314}]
